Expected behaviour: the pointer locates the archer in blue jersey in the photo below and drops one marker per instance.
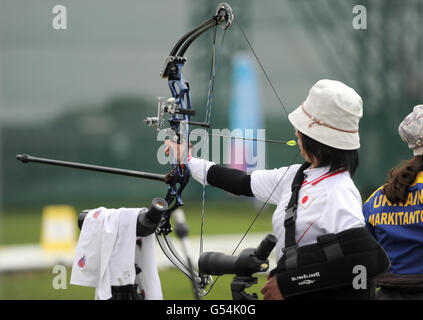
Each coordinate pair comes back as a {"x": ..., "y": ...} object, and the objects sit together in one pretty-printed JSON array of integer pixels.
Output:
[
  {"x": 394, "y": 216},
  {"x": 398, "y": 227}
]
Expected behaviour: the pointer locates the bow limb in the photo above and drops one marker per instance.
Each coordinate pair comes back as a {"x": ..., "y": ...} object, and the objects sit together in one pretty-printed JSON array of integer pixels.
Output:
[{"x": 170, "y": 252}]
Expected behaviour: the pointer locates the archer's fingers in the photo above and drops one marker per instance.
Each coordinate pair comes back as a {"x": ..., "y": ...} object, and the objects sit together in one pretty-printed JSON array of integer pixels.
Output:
[
  {"x": 170, "y": 146},
  {"x": 169, "y": 143},
  {"x": 266, "y": 295},
  {"x": 264, "y": 289}
]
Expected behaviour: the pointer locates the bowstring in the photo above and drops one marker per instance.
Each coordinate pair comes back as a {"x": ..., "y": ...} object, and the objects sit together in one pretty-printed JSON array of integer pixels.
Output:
[
  {"x": 291, "y": 162},
  {"x": 209, "y": 105},
  {"x": 261, "y": 65},
  {"x": 286, "y": 112},
  {"x": 265, "y": 203},
  {"x": 259, "y": 213}
]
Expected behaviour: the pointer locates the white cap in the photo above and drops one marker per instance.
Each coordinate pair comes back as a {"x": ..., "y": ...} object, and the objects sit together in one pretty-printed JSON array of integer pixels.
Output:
[
  {"x": 330, "y": 115},
  {"x": 411, "y": 130}
]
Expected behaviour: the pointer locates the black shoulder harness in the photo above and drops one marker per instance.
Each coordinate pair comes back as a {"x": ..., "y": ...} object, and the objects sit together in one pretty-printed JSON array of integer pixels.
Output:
[{"x": 290, "y": 249}]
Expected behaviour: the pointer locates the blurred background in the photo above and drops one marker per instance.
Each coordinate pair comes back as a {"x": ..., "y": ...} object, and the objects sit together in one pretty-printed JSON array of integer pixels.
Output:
[{"x": 81, "y": 95}]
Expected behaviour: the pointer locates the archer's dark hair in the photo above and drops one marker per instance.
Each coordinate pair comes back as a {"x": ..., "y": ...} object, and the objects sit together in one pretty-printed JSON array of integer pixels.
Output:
[
  {"x": 329, "y": 156},
  {"x": 401, "y": 177}
]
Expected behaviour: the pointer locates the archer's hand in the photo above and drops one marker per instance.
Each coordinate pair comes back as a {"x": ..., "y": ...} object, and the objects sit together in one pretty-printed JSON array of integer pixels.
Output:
[
  {"x": 178, "y": 150},
  {"x": 270, "y": 290}
]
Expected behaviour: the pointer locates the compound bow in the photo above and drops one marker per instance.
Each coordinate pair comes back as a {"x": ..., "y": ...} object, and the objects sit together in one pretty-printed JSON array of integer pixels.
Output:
[{"x": 179, "y": 107}]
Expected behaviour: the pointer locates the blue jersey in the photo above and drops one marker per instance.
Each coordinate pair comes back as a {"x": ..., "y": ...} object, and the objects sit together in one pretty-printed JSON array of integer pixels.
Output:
[{"x": 398, "y": 227}]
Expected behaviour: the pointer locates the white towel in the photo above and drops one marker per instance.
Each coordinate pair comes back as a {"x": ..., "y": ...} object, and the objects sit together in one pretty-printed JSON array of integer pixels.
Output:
[
  {"x": 106, "y": 254},
  {"x": 148, "y": 279}
]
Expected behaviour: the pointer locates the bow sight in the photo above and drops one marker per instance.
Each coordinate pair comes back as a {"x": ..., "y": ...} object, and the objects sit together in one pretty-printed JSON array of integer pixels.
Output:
[{"x": 169, "y": 106}]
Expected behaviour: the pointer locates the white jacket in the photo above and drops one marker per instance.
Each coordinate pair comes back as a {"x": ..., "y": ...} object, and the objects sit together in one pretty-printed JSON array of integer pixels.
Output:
[{"x": 328, "y": 202}]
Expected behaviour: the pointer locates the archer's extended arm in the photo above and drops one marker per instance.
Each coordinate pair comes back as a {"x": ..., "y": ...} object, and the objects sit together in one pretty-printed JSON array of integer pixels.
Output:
[{"x": 231, "y": 180}]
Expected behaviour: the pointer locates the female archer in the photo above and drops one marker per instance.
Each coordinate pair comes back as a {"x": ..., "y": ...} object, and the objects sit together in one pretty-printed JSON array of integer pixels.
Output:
[
  {"x": 393, "y": 216},
  {"x": 318, "y": 208}
]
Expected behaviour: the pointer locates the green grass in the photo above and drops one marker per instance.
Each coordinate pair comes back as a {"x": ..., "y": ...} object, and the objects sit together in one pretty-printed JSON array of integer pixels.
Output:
[
  {"x": 38, "y": 285},
  {"x": 18, "y": 227},
  {"x": 23, "y": 226}
]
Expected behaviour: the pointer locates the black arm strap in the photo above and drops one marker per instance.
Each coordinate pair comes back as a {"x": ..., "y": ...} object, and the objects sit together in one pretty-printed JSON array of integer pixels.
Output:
[{"x": 231, "y": 180}]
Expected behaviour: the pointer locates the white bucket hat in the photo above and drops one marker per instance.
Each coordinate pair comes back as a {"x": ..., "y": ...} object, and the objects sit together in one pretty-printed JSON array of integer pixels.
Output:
[
  {"x": 330, "y": 115},
  {"x": 411, "y": 130}
]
